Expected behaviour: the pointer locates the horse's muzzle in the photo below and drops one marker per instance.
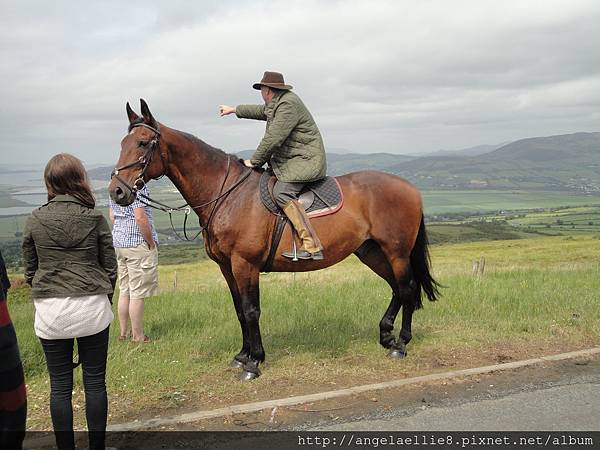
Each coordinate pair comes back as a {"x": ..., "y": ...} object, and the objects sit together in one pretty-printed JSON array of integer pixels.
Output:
[{"x": 121, "y": 196}]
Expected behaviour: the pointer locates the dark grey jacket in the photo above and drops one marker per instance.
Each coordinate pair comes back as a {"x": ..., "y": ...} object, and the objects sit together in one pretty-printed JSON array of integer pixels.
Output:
[{"x": 68, "y": 250}]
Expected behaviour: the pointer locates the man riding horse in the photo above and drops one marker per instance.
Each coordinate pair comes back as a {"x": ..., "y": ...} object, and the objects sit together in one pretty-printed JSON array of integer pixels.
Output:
[{"x": 293, "y": 146}]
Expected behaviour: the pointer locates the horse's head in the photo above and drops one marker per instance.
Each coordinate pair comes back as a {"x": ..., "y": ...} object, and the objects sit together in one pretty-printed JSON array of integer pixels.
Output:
[{"x": 142, "y": 157}]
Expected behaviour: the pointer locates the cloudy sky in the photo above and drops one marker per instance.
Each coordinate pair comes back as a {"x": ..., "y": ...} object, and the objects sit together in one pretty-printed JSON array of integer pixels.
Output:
[{"x": 392, "y": 76}]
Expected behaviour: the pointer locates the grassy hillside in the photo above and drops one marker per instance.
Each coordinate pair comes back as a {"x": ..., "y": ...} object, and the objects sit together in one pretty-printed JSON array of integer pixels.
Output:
[{"x": 320, "y": 329}]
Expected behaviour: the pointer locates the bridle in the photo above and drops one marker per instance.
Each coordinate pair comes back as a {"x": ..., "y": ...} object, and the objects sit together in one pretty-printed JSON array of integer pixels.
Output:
[
  {"x": 143, "y": 161},
  {"x": 139, "y": 184}
]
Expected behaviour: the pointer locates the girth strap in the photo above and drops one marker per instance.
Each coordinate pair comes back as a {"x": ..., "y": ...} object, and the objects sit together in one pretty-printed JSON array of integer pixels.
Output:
[{"x": 276, "y": 238}]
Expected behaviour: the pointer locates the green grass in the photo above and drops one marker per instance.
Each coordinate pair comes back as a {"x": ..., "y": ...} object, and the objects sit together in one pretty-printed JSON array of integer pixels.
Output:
[
  {"x": 320, "y": 329},
  {"x": 9, "y": 225},
  {"x": 471, "y": 231}
]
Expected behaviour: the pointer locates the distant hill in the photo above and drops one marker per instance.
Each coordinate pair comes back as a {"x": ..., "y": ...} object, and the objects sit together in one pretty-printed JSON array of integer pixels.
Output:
[
  {"x": 342, "y": 163},
  {"x": 570, "y": 162},
  {"x": 471, "y": 151},
  {"x": 562, "y": 162},
  {"x": 337, "y": 164}
]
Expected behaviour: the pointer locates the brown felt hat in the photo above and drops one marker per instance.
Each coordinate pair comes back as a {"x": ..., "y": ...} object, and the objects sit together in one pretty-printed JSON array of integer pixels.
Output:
[{"x": 272, "y": 79}]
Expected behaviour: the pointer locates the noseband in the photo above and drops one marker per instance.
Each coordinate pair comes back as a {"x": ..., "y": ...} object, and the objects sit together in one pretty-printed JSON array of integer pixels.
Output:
[{"x": 143, "y": 161}]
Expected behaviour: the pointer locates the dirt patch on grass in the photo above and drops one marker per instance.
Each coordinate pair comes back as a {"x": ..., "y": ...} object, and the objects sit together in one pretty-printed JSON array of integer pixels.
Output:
[{"x": 223, "y": 388}]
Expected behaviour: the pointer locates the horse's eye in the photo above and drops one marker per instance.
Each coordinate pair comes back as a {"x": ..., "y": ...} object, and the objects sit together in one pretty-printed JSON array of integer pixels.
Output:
[{"x": 143, "y": 143}]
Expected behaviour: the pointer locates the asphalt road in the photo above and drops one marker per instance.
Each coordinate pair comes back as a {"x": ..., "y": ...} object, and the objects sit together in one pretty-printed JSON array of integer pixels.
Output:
[
  {"x": 559, "y": 396},
  {"x": 574, "y": 406}
]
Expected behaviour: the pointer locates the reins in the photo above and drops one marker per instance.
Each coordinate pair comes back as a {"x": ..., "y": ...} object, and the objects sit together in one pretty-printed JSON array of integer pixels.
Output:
[
  {"x": 188, "y": 209},
  {"x": 139, "y": 184}
]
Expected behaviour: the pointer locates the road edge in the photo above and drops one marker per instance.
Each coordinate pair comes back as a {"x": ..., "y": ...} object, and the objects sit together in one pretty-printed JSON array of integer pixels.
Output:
[{"x": 298, "y": 400}]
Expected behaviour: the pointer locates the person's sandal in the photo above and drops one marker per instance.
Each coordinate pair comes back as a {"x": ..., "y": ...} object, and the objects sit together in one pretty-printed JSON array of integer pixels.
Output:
[
  {"x": 123, "y": 338},
  {"x": 145, "y": 340}
]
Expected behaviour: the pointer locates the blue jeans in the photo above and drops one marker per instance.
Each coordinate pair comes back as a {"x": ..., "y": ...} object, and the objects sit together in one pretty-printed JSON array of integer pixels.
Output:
[{"x": 59, "y": 359}]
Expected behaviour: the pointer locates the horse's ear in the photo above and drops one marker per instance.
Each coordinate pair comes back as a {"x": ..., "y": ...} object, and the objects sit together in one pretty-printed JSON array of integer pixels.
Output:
[
  {"x": 131, "y": 115},
  {"x": 147, "y": 114}
]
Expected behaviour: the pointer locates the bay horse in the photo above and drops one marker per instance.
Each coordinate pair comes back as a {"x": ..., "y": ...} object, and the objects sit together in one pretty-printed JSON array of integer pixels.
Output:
[{"x": 381, "y": 222}]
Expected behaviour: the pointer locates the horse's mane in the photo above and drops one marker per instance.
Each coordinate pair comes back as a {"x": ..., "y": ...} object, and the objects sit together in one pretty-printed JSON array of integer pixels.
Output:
[
  {"x": 193, "y": 139},
  {"x": 204, "y": 146}
]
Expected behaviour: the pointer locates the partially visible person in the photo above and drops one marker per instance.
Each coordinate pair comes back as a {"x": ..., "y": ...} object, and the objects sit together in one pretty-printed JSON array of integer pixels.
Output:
[
  {"x": 71, "y": 266},
  {"x": 136, "y": 243},
  {"x": 13, "y": 399}
]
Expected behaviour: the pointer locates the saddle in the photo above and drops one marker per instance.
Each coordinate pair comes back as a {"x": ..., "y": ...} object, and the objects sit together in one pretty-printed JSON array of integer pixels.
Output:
[{"x": 319, "y": 198}]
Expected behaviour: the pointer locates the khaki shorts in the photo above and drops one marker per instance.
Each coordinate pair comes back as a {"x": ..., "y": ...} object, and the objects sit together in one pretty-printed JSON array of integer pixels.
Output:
[{"x": 138, "y": 271}]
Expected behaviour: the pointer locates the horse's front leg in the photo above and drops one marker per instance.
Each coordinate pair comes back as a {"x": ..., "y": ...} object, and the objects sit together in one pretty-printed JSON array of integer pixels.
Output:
[
  {"x": 246, "y": 277},
  {"x": 243, "y": 356}
]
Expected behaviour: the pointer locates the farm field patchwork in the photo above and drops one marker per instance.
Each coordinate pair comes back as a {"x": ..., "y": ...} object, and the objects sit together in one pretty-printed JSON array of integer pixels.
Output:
[{"x": 440, "y": 202}]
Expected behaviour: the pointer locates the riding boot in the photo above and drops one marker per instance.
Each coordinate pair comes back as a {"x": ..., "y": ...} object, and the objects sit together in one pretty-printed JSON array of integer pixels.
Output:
[{"x": 311, "y": 247}]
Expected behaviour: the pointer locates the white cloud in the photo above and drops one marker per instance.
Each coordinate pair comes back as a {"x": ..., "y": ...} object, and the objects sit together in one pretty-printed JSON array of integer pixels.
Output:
[{"x": 398, "y": 76}]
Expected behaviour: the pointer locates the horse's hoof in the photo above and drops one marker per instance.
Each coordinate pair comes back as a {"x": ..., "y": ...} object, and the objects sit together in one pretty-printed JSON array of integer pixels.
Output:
[
  {"x": 248, "y": 376},
  {"x": 235, "y": 364},
  {"x": 396, "y": 353}
]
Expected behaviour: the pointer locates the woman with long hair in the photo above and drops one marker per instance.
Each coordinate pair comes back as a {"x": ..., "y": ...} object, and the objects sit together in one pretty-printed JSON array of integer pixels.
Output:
[{"x": 71, "y": 266}]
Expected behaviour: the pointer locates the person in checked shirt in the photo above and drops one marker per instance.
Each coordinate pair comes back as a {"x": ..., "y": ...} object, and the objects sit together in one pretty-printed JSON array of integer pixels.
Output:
[{"x": 136, "y": 243}]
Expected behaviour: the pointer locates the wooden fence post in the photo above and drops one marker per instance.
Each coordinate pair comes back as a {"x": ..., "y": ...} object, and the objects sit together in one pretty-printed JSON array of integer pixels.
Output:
[{"x": 479, "y": 266}]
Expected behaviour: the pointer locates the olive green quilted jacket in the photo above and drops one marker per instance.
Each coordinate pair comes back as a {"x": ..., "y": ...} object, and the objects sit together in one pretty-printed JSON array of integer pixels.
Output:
[
  {"x": 292, "y": 143},
  {"x": 68, "y": 250}
]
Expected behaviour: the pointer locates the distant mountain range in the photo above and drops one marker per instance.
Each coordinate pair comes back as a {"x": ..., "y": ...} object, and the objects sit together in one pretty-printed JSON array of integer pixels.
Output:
[
  {"x": 471, "y": 151},
  {"x": 563, "y": 162}
]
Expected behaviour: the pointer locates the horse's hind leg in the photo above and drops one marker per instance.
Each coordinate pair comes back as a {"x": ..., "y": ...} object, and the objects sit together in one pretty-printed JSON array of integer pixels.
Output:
[
  {"x": 397, "y": 272},
  {"x": 370, "y": 254},
  {"x": 408, "y": 307},
  {"x": 407, "y": 294}
]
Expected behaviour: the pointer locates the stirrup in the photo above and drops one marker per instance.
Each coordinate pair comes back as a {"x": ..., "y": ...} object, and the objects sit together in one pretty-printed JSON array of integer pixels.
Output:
[
  {"x": 303, "y": 254},
  {"x": 295, "y": 256}
]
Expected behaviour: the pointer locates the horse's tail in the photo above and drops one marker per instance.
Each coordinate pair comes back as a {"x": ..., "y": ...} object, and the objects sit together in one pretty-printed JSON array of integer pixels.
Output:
[{"x": 420, "y": 262}]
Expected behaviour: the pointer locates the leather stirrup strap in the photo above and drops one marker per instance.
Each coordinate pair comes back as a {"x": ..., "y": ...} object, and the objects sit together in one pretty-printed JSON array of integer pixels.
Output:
[{"x": 276, "y": 238}]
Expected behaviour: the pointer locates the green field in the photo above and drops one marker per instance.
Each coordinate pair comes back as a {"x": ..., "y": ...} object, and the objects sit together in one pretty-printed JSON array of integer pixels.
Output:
[
  {"x": 10, "y": 226},
  {"x": 453, "y": 216},
  {"x": 320, "y": 329},
  {"x": 442, "y": 202},
  {"x": 435, "y": 203},
  {"x": 547, "y": 221}
]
